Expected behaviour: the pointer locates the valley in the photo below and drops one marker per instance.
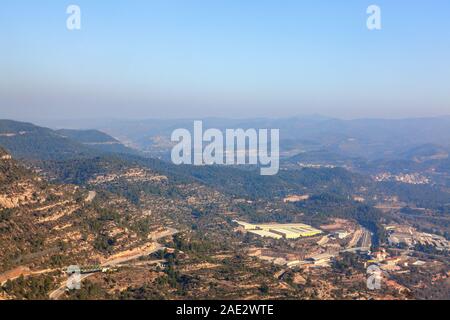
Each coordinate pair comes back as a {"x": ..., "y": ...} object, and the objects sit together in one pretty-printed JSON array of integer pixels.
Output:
[{"x": 148, "y": 229}]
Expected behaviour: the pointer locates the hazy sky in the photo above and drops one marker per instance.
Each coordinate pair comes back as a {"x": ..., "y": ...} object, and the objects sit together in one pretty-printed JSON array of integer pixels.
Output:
[{"x": 234, "y": 58}]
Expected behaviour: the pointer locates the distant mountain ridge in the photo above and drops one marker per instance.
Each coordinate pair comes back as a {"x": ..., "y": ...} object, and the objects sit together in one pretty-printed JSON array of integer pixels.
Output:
[
  {"x": 97, "y": 139},
  {"x": 87, "y": 136},
  {"x": 368, "y": 138},
  {"x": 427, "y": 152},
  {"x": 28, "y": 141}
]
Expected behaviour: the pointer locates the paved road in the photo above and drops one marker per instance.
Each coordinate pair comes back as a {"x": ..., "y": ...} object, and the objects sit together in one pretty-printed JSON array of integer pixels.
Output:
[
  {"x": 366, "y": 242},
  {"x": 367, "y": 239},
  {"x": 56, "y": 294},
  {"x": 355, "y": 249}
]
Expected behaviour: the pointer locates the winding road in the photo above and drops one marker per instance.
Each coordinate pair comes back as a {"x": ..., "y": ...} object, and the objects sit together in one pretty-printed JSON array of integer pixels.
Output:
[{"x": 114, "y": 262}]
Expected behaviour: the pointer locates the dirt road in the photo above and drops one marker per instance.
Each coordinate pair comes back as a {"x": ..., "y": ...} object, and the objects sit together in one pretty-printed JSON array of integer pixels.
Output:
[{"x": 21, "y": 271}]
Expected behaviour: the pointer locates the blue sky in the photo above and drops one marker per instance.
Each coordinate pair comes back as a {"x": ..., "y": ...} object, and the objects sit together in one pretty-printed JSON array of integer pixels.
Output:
[{"x": 233, "y": 58}]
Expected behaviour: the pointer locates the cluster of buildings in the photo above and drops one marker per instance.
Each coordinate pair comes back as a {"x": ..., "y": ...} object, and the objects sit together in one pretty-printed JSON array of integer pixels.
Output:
[
  {"x": 279, "y": 231},
  {"x": 410, "y": 237},
  {"x": 412, "y": 178},
  {"x": 130, "y": 175},
  {"x": 5, "y": 157},
  {"x": 316, "y": 166},
  {"x": 295, "y": 198}
]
